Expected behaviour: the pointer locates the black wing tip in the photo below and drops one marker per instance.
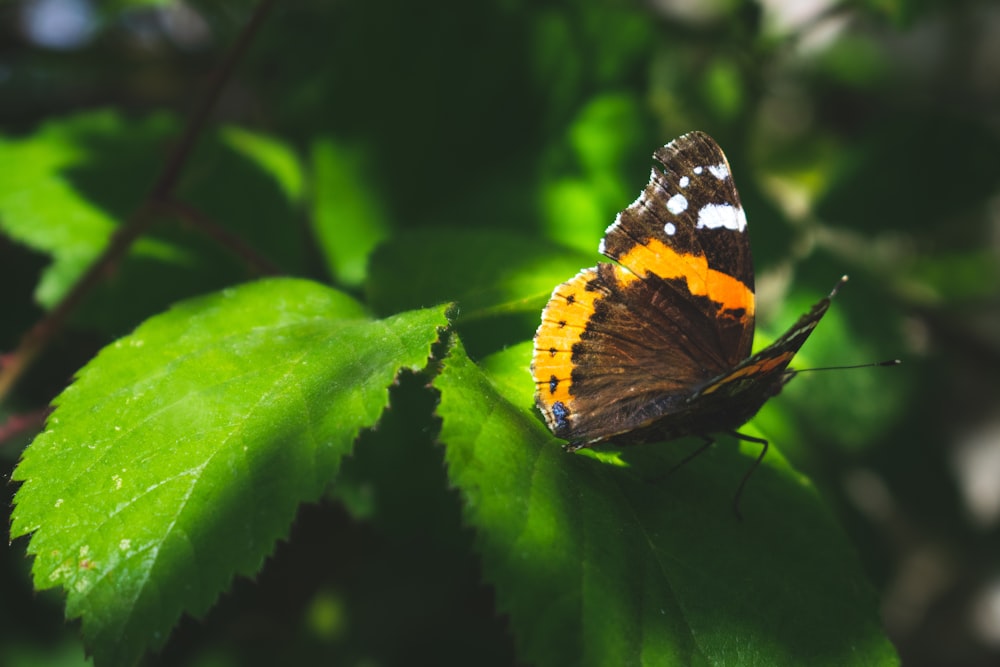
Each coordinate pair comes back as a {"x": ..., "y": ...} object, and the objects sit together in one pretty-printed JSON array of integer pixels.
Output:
[{"x": 694, "y": 137}]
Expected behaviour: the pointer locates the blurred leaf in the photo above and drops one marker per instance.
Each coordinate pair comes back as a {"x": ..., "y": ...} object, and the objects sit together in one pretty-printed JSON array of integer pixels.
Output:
[
  {"x": 616, "y": 37},
  {"x": 485, "y": 272},
  {"x": 954, "y": 277},
  {"x": 79, "y": 177},
  {"x": 557, "y": 66},
  {"x": 723, "y": 89},
  {"x": 912, "y": 174},
  {"x": 43, "y": 205},
  {"x": 258, "y": 201},
  {"x": 181, "y": 452},
  {"x": 271, "y": 155},
  {"x": 121, "y": 5},
  {"x": 578, "y": 49},
  {"x": 606, "y": 133},
  {"x": 587, "y": 187},
  {"x": 856, "y": 61},
  {"x": 575, "y": 214},
  {"x": 347, "y": 215},
  {"x": 900, "y": 13},
  {"x": 65, "y": 654},
  {"x": 595, "y": 565}
]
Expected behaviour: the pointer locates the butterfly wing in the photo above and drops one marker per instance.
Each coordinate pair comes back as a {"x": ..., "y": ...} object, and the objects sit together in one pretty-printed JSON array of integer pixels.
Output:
[
  {"x": 765, "y": 373},
  {"x": 623, "y": 345}
]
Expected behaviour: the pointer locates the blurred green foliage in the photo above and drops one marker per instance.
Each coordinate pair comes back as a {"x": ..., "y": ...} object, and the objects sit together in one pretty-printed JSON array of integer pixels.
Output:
[{"x": 407, "y": 153}]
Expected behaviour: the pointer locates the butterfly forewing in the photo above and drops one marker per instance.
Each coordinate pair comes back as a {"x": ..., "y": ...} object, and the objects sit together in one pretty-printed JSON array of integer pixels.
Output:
[{"x": 687, "y": 230}]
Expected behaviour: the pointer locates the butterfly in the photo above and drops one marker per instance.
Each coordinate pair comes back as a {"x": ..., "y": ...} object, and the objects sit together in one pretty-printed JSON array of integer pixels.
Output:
[{"x": 656, "y": 346}]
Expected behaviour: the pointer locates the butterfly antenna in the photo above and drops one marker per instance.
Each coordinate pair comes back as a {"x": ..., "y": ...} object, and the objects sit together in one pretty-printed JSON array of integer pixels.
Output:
[{"x": 887, "y": 362}]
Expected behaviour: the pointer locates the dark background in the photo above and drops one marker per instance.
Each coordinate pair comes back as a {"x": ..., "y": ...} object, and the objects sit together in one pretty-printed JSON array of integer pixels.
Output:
[{"x": 865, "y": 138}]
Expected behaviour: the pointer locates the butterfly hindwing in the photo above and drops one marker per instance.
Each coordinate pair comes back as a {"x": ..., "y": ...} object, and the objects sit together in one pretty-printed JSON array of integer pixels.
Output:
[
  {"x": 597, "y": 339},
  {"x": 769, "y": 367}
]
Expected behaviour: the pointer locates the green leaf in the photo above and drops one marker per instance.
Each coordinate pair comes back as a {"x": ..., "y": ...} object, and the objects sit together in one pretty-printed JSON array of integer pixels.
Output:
[
  {"x": 871, "y": 188},
  {"x": 599, "y": 175},
  {"x": 271, "y": 155},
  {"x": 52, "y": 202},
  {"x": 724, "y": 89},
  {"x": 952, "y": 277},
  {"x": 485, "y": 272},
  {"x": 180, "y": 454},
  {"x": 597, "y": 565},
  {"x": 347, "y": 219},
  {"x": 79, "y": 178}
]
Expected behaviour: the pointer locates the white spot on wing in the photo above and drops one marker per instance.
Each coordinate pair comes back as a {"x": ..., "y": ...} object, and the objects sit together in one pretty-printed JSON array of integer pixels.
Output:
[
  {"x": 670, "y": 229},
  {"x": 719, "y": 171},
  {"x": 714, "y": 216},
  {"x": 684, "y": 181},
  {"x": 698, "y": 170},
  {"x": 677, "y": 204}
]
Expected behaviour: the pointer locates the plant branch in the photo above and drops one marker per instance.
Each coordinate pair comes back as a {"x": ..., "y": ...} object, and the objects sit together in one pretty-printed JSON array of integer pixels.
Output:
[
  {"x": 225, "y": 238},
  {"x": 165, "y": 184},
  {"x": 42, "y": 332}
]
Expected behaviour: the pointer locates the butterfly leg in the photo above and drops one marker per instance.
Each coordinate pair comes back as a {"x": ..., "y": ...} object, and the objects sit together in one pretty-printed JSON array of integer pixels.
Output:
[
  {"x": 743, "y": 482},
  {"x": 706, "y": 443}
]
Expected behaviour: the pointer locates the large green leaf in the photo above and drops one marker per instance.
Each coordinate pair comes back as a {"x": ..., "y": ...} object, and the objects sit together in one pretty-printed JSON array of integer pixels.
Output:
[
  {"x": 181, "y": 452},
  {"x": 598, "y": 565}
]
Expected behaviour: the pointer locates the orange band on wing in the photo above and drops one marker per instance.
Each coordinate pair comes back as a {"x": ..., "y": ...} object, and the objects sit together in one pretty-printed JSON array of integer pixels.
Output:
[
  {"x": 760, "y": 368},
  {"x": 563, "y": 321},
  {"x": 661, "y": 260}
]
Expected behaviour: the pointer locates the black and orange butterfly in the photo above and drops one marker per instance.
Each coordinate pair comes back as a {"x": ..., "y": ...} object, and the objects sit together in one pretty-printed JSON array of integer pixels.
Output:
[{"x": 657, "y": 345}]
